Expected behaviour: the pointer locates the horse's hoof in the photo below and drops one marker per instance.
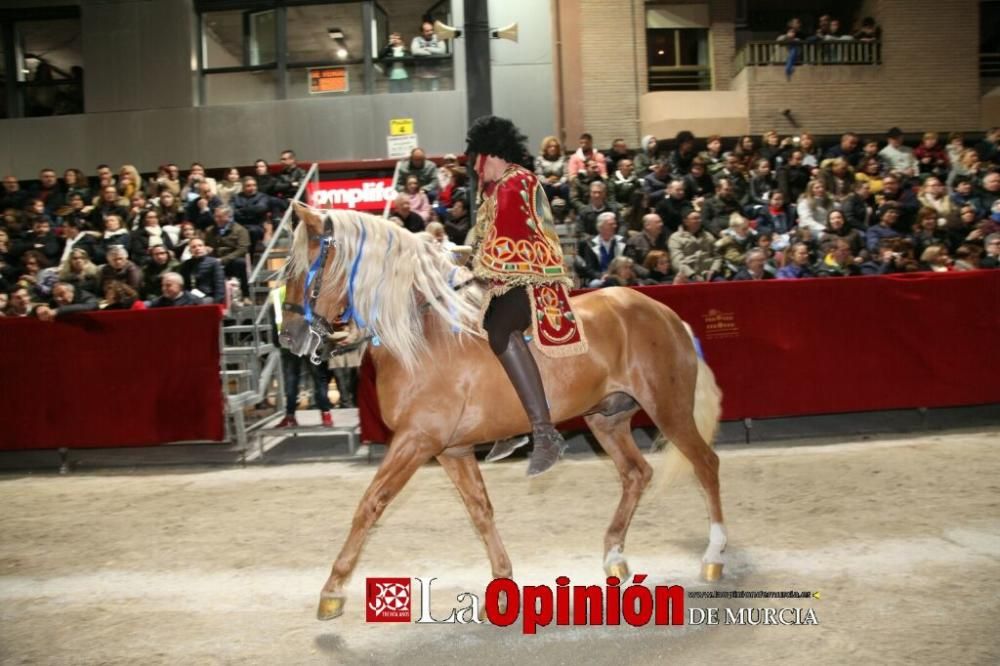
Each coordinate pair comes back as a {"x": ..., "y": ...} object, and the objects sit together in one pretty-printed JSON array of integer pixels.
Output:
[
  {"x": 711, "y": 571},
  {"x": 618, "y": 569},
  {"x": 330, "y": 607}
]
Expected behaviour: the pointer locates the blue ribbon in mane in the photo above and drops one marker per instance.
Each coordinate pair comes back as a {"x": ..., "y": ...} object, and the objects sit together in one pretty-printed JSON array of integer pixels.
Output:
[
  {"x": 316, "y": 265},
  {"x": 351, "y": 314}
]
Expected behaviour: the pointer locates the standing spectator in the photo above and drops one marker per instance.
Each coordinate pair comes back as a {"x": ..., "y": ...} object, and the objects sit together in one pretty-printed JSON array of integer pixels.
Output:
[
  {"x": 584, "y": 154},
  {"x": 624, "y": 183},
  {"x": 119, "y": 267},
  {"x": 550, "y": 167},
  {"x": 291, "y": 176},
  {"x": 148, "y": 236},
  {"x": 251, "y": 209},
  {"x": 161, "y": 261},
  {"x": 598, "y": 206},
  {"x": 692, "y": 250},
  {"x": 899, "y": 157},
  {"x": 202, "y": 274},
  {"x": 229, "y": 186},
  {"x": 680, "y": 159},
  {"x": 798, "y": 266},
  {"x": 647, "y": 156},
  {"x": 931, "y": 157},
  {"x": 173, "y": 293},
  {"x": 419, "y": 203},
  {"x": 230, "y": 243},
  {"x": 672, "y": 209},
  {"x": 424, "y": 45},
  {"x": 652, "y": 239},
  {"x": 794, "y": 176},
  {"x": 426, "y": 172},
  {"x": 392, "y": 56},
  {"x": 109, "y": 205}
]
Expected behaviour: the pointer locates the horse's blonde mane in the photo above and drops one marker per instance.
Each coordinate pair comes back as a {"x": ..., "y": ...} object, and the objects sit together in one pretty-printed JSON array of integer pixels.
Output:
[{"x": 396, "y": 272}]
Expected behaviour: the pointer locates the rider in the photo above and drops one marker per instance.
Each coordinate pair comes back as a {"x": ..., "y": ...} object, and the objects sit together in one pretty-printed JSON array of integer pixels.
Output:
[{"x": 506, "y": 219}]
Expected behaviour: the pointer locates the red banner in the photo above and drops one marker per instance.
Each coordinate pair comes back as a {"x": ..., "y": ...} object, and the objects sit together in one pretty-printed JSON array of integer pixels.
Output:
[
  {"x": 108, "y": 379},
  {"x": 824, "y": 346},
  {"x": 369, "y": 194}
]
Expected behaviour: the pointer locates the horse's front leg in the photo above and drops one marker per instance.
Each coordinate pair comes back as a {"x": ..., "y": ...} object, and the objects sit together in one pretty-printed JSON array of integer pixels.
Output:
[{"x": 407, "y": 452}]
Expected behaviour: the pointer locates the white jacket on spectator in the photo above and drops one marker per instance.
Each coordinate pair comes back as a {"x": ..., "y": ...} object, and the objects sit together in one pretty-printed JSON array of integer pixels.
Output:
[
  {"x": 899, "y": 159},
  {"x": 812, "y": 213}
]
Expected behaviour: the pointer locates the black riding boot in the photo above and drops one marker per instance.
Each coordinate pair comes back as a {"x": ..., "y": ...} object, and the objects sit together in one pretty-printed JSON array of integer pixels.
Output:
[{"x": 524, "y": 375}]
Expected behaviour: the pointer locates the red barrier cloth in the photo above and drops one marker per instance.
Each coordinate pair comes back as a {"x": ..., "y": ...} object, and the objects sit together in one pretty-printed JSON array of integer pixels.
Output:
[
  {"x": 109, "y": 379},
  {"x": 825, "y": 346}
]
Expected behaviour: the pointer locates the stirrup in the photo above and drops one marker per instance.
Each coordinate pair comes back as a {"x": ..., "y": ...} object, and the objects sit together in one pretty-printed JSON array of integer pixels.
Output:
[
  {"x": 504, "y": 447},
  {"x": 549, "y": 447}
]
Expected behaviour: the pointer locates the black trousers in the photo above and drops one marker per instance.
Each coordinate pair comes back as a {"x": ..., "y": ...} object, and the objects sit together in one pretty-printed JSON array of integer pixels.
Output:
[{"x": 507, "y": 314}]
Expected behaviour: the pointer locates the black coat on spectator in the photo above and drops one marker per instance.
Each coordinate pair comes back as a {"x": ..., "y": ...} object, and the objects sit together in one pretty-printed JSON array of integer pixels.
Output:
[
  {"x": 744, "y": 274},
  {"x": 457, "y": 228},
  {"x": 48, "y": 244},
  {"x": 202, "y": 219},
  {"x": 266, "y": 184},
  {"x": 152, "y": 278},
  {"x": 586, "y": 220},
  {"x": 288, "y": 182},
  {"x": 86, "y": 242},
  {"x": 251, "y": 210},
  {"x": 588, "y": 266},
  {"x": 852, "y": 157},
  {"x": 15, "y": 199},
  {"x": 715, "y": 214},
  {"x": 792, "y": 181},
  {"x": 908, "y": 204},
  {"x": 100, "y": 212},
  {"x": 186, "y": 298},
  {"x": 139, "y": 245},
  {"x": 413, "y": 221},
  {"x": 52, "y": 197},
  {"x": 698, "y": 187},
  {"x": 82, "y": 301},
  {"x": 129, "y": 274},
  {"x": 672, "y": 212},
  {"x": 206, "y": 275},
  {"x": 680, "y": 163},
  {"x": 654, "y": 187},
  {"x": 856, "y": 212},
  {"x": 639, "y": 245},
  {"x": 105, "y": 243},
  {"x": 776, "y": 223}
]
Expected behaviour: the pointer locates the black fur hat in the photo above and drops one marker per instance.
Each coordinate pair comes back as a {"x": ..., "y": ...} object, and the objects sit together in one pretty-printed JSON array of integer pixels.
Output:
[{"x": 499, "y": 137}]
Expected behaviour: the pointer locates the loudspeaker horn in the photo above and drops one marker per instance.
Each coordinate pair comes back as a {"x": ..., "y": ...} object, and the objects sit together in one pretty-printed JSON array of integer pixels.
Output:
[
  {"x": 507, "y": 32},
  {"x": 445, "y": 31}
]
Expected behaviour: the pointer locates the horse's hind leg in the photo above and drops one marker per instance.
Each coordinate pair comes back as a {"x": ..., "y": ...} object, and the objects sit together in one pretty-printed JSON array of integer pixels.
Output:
[
  {"x": 464, "y": 472},
  {"x": 614, "y": 432},
  {"x": 408, "y": 451}
]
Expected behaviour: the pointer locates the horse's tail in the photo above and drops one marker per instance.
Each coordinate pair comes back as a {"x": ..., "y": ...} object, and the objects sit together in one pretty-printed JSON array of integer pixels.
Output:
[{"x": 707, "y": 410}]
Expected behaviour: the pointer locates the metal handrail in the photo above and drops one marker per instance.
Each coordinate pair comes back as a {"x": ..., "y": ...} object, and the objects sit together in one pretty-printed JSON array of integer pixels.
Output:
[
  {"x": 834, "y": 52},
  {"x": 395, "y": 177},
  {"x": 283, "y": 225}
]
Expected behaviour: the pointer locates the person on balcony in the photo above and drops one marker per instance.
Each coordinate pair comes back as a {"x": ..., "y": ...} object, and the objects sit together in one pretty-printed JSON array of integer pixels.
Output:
[
  {"x": 392, "y": 55},
  {"x": 869, "y": 31},
  {"x": 424, "y": 45}
]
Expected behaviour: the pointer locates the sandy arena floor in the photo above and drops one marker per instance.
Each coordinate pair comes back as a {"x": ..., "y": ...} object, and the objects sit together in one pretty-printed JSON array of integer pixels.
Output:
[{"x": 901, "y": 537}]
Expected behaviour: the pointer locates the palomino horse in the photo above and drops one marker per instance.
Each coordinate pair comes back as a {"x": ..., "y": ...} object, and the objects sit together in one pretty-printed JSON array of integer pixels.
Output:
[{"x": 423, "y": 314}]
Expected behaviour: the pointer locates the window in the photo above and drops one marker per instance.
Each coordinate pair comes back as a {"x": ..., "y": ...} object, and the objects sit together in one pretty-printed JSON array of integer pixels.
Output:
[
  {"x": 41, "y": 62},
  {"x": 677, "y": 48},
  {"x": 259, "y": 50}
]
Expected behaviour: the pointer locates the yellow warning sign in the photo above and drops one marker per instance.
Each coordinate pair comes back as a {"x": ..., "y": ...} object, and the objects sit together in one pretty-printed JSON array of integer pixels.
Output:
[{"x": 400, "y": 126}]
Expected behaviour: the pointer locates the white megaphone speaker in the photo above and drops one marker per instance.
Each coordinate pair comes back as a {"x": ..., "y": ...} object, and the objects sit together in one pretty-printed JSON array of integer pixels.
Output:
[
  {"x": 445, "y": 31},
  {"x": 507, "y": 32}
]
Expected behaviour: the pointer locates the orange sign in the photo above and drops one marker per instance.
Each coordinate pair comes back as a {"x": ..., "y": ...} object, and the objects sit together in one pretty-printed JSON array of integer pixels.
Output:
[{"x": 328, "y": 80}]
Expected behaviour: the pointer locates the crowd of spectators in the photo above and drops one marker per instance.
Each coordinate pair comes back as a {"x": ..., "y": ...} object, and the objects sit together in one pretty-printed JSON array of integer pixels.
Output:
[{"x": 121, "y": 241}]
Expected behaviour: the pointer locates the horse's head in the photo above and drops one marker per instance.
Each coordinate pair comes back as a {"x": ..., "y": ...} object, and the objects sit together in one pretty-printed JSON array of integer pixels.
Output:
[{"x": 309, "y": 311}]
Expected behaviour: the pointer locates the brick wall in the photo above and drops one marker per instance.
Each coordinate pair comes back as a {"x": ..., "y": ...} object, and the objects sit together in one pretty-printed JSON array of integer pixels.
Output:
[{"x": 928, "y": 79}]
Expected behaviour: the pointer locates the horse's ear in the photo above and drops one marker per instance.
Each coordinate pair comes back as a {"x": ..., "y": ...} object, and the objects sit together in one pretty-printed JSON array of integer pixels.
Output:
[{"x": 313, "y": 221}]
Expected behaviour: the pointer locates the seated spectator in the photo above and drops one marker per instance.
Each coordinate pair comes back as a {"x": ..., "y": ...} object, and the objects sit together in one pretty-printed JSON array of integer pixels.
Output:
[
  {"x": 712, "y": 156},
  {"x": 927, "y": 231},
  {"x": 201, "y": 210},
  {"x": 837, "y": 229},
  {"x": 624, "y": 183},
  {"x": 989, "y": 192},
  {"x": 203, "y": 275},
  {"x": 931, "y": 157},
  {"x": 262, "y": 174},
  {"x": 838, "y": 178},
  {"x": 968, "y": 165},
  {"x": 870, "y": 150},
  {"x": 118, "y": 267},
  {"x": 12, "y": 196},
  {"x": 778, "y": 217},
  {"x": 426, "y": 172},
  {"x": 659, "y": 270},
  {"x": 456, "y": 223},
  {"x": 967, "y": 257},
  {"x": 754, "y": 268},
  {"x": 169, "y": 209},
  {"x": 584, "y": 154},
  {"x": 41, "y": 239},
  {"x": 251, "y": 209},
  {"x": 719, "y": 210},
  {"x": 905, "y": 200},
  {"x": 988, "y": 149},
  {"x": 813, "y": 207},
  {"x": 794, "y": 176},
  {"x": 453, "y": 185},
  {"x": 139, "y": 204},
  {"x": 680, "y": 159},
  {"x": 692, "y": 250},
  {"x": 992, "y": 257},
  {"x": 869, "y": 31},
  {"x": 20, "y": 304},
  {"x": 74, "y": 182},
  {"x": 770, "y": 149},
  {"x": 619, "y": 151},
  {"x": 870, "y": 173},
  {"x": 598, "y": 205},
  {"x": 883, "y": 230},
  {"x": 129, "y": 181},
  {"x": 762, "y": 184},
  {"x": 31, "y": 274},
  {"x": 672, "y": 209},
  {"x": 193, "y": 185},
  {"x": 606, "y": 246},
  {"x": 580, "y": 186},
  {"x": 407, "y": 218},
  {"x": 962, "y": 195},
  {"x": 47, "y": 191},
  {"x": 419, "y": 203},
  {"x": 646, "y": 156},
  {"x": 551, "y": 169},
  {"x": 745, "y": 152},
  {"x": 229, "y": 186},
  {"x": 654, "y": 183},
  {"x": 935, "y": 258},
  {"x": 174, "y": 294},
  {"x": 735, "y": 173},
  {"x": 633, "y": 213},
  {"x": 167, "y": 180},
  {"x": 148, "y": 236},
  {"x": 812, "y": 154},
  {"x": 848, "y": 149},
  {"x": 698, "y": 184},
  {"x": 79, "y": 271},
  {"x": 733, "y": 244},
  {"x": 114, "y": 234},
  {"x": 182, "y": 249},
  {"x": 161, "y": 261},
  {"x": 652, "y": 239},
  {"x": 933, "y": 194},
  {"x": 964, "y": 229},
  {"x": 66, "y": 300},
  {"x": 120, "y": 296},
  {"x": 839, "y": 260},
  {"x": 621, "y": 273},
  {"x": 899, "y": 157},
  {"x": 230, "y": 243},
  {"x": 798, "y": 264}
]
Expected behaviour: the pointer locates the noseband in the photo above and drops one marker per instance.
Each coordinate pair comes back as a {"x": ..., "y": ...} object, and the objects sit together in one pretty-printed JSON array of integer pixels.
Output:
[{"x": 319, "y": 328}]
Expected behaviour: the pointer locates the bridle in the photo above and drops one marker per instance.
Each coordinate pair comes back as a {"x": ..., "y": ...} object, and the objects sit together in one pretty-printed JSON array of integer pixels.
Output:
[{"x": 320, "y": 329}]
